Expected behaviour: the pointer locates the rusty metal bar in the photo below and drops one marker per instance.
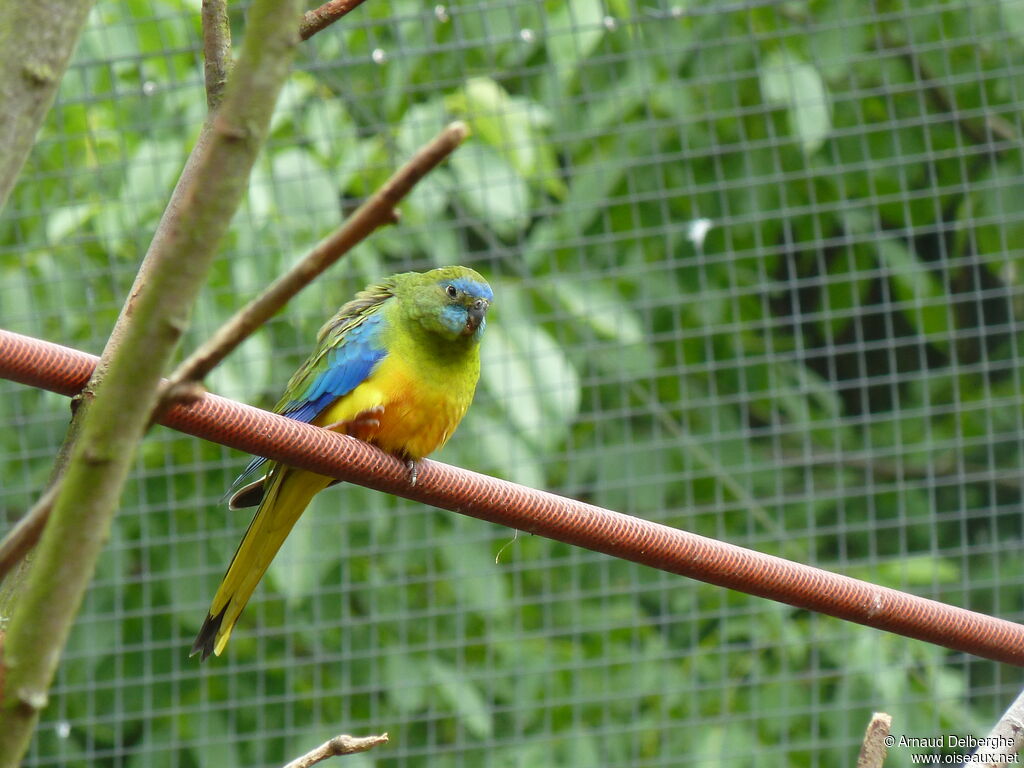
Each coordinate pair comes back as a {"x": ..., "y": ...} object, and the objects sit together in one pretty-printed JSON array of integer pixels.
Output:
[{"x": 60, "y": 369}]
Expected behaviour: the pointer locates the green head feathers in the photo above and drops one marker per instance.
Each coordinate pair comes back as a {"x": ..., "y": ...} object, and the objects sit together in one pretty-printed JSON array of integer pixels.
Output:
[{"x": 450, "y": 302}]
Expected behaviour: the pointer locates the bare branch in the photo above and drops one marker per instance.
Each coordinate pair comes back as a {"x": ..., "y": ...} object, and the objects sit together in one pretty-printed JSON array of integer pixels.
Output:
[
  {"x": 36, "y": 41},
  {"x": 114, "y": 424},
  {"x": 311, "y": 23},
  {"x": 339, "y": 745},
  {"x": 873, "y": 750},
  {"x": 24, "y": 535},
  {"x": 377, "y": 211},
  {"x": 1007, "y": 736},
  {"x": 216, "y": 50},
  {"x": 321, "y": 18}
]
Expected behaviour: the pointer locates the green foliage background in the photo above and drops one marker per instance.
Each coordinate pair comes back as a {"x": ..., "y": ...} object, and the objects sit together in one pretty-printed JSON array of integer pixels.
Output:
[{"x": 832, "y": 374}]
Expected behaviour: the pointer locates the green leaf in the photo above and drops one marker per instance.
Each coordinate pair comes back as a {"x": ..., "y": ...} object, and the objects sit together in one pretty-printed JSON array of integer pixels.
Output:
[
  {"x": 597, "y": 173},
  {"x": 328, "y": 125},
  {"x": 67, "y": 220},
  {"x": 152, "y": 173},
  {"x": 475, "y": 577},
  {"x": 916, "y": 571},
  {"x": 990, "y": 221},
  {"x": 1013, "y": 16},
  {"x": 249, "y": 372},
  {"x": 464, "y": 698},
  {"x": 573, "y": 30},
  {"x": 497, "y": 447},
  {"x": 925, "y": 303},
  {"x": 602, "y": 307},
  {"x": 797, "y": 86},
  {"x": 406, "y": 682},
  {"x": 218, "y": 746},
  {"x": 849, "y": 281},
  {"x": 513, "y": 126},
  {"x": 492, "y": 189},
  {"x": 528, "y": 374},
  {"x": 305, "y": 193},
  {"x": 430, "y": 196},
  {"x": 834, "y": 45}
]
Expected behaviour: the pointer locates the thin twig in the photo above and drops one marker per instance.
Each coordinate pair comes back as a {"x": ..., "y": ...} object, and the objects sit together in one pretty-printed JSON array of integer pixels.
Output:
[
  {"x": 321, "y": 18},
  {"x": 377, "y": 211},
  {"x": 1007, "y": 736},
  {"x": 873, "y": 749},
  {"x": 26, "y": 532},
  {"x": 216, "y": 49},
  {"x": 339, "y": 745}
]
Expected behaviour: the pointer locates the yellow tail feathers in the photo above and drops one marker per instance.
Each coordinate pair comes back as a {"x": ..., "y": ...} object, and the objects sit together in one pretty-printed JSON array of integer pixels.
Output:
[{"x": 287, "y": 496}]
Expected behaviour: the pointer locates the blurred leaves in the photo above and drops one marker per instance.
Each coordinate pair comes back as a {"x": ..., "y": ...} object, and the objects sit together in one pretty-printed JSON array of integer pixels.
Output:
[{"x": 796, "y": 85}]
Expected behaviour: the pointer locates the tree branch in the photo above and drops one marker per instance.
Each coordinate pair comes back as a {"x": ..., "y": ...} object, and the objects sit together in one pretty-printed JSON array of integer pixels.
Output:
[
  {"x": 112, "y": 427},
  {"x": 339, "y": 745},
  {"x": 873, "y": 749},
  {"x": 25, "y": 534},
  {"x": 377, "y": 211},
  {"x": 216, "y": 50},
  {"x": 182, "y": 385},
  {"x": 321, "y": 18},
  {"x": 311, "y": 23},
  {"x": 1007, "y": 736},
  {"x": 36, "y": 41}
]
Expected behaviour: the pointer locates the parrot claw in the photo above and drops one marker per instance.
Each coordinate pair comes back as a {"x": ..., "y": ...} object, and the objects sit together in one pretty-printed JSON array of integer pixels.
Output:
[
  {"x": 365, "y": 420},
  {"x": 414, "y": 470}
]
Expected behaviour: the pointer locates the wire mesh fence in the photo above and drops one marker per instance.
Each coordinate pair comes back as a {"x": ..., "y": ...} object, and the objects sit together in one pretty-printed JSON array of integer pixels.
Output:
[{"x": 756, "y": 269}]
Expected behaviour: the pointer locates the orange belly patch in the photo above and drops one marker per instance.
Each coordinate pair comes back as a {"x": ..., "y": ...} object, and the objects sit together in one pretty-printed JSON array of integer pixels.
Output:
[{"x": 416, "y": 419}]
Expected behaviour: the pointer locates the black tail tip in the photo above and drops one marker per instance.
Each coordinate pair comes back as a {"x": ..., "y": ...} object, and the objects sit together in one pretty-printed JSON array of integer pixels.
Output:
[{"x": 207, "y": 637}]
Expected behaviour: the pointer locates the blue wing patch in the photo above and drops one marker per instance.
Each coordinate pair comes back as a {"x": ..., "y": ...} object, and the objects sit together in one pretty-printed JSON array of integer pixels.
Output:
[
  {"x": 344, "y": 367},
  {"x": 347, "y": 366}
]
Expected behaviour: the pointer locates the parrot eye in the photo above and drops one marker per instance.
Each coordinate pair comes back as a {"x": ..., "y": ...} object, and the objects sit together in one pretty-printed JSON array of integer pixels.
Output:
[{"x": 451, "y": 291}]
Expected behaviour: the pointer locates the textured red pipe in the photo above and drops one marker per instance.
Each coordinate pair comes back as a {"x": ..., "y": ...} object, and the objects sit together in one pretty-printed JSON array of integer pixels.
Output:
[{"x": 59, "y": 369}]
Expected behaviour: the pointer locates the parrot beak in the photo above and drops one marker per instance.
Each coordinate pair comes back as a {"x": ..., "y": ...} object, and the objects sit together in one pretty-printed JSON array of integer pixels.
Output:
[{"x": 475, "y": 315}]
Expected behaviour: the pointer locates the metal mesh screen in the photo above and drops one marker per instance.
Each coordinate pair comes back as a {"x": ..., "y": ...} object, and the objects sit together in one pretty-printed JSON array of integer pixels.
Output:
[{"x": 757, "y": 274}]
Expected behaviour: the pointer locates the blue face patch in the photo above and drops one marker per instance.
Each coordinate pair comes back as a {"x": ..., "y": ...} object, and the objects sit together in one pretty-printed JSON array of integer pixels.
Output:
[
  {"x": 473, "y": 288},
  {"x": 453, "y": 317}
]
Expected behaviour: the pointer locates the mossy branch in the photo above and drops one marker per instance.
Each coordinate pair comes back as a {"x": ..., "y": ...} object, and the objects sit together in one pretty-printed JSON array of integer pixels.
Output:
[
  {"x": 218, "y": 40},
  {"x": 216, "y": 50},
  {"x": 123, "y": 402},
  {"x": 36, "y": 41}
]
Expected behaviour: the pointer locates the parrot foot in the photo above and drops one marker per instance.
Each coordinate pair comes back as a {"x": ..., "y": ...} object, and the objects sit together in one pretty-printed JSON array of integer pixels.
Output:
[
  {"x": 368, "y": 419},
  {"x": 414, "y": 469}
]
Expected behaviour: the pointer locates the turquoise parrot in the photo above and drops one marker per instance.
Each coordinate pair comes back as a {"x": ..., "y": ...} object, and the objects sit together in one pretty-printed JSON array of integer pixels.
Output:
[{"x": 397, "y": 366}]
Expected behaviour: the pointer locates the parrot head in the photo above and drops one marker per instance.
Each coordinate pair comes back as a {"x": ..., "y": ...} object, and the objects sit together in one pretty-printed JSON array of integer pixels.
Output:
[{"x": 451, "y": 301}]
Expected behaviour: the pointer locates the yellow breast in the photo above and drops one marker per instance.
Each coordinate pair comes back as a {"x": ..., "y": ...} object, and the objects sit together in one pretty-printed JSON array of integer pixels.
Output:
[{"x": 420, "y": 412}]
